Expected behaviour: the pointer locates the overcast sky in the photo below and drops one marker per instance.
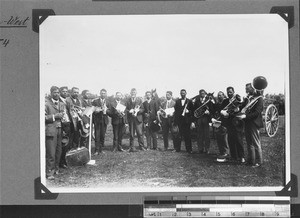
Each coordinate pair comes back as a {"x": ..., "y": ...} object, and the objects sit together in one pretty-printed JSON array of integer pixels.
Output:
[{"x": 166, "y": 52}]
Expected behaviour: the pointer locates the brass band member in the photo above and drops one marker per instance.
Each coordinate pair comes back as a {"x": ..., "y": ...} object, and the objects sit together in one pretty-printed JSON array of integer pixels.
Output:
[
  {"x": 74, "y": 109},
  {"x": 253, "y": 122},
  {"x": 54, "y": 112},
  {"x": 135, "y": 109},
  {"x": 202, "y": 123},
  {"x": 221, "y": 130},
  {"x": 150, "y": 113},
  {"x": 183, "y": 108},
  {"x": 66, "y": 127},
  {"x": 118, "y": 121},
  {"x": 85, "y": 122},
  {"x": 100, "y": 120},
  {"x": 235, "y": 134},
  {"x": 167, "y": 120}
]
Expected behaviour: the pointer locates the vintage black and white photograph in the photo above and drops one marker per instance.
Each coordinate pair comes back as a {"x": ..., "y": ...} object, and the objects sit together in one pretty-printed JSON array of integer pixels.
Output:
[{"x": 164, "y": 103}]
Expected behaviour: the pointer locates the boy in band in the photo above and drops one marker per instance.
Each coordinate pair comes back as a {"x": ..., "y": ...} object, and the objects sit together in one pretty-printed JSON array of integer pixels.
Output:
[
  {"x": 135, "y": 109},
  {"x": 118, "y": 121},
  {"x": 100, "y": 120},
  {"x": 167, "y": 122},
  {"x": 253, "y": 122},
  {"x": 54, "y": 112},
  {"x": 183, "y": 107},
  {"x": 150, "y": 113}
]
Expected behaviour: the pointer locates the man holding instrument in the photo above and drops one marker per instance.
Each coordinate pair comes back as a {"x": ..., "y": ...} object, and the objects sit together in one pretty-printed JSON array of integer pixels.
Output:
[
  {"x": 204, "y": 104},
  {"x": 118, "y": 121},
  {"x": 221, "y": 131},
  {"x": 235, "y": 134},
  {"x": 183, "y": 107},
  {"x": 166, "y": 117},
  {"x": 54, "y": 112},
  {"x": 100, "y": 120},
  {"x": 66, "y": 128},
  {"x": 74, "y": 108},
  {"x": 253, "y": 122},
  {"x": 135, "y": 109},
  {"x": 150, "y": 115}
]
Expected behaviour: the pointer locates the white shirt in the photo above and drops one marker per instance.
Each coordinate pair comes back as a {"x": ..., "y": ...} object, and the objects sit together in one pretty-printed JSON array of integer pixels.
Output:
[{"x": 182, "y": 102}]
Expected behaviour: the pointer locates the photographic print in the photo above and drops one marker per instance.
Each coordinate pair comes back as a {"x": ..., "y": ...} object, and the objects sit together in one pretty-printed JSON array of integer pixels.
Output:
[{"x": 164, "y": 103}]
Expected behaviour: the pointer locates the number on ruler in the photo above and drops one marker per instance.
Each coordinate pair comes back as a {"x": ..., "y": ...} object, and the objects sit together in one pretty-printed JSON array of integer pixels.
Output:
[
  {"x": 203, "y": 214},
  {"x": 218, "y": 214},
  {"x": 232, "y": 213},
  {"x": 276, "y": 213},
  {"x": 174, "y": 214},
  {"x": 262, "y": 214},
  {"x": 247, "y": 214},
  {"x": 188, "y": 213}
]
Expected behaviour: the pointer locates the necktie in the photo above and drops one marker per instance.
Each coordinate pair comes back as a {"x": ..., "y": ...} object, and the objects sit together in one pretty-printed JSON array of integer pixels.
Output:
[{"x": 168, "y": 104}]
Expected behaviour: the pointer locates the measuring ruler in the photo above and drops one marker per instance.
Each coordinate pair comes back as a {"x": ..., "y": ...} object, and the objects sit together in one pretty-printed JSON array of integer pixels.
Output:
[{"x": 236, "y": 207}]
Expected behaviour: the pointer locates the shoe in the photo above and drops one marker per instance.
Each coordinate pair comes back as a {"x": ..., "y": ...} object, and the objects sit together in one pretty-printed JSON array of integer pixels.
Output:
[
  {"x": 96, "y": 153},
  {"x": 223, "y": 156},
  {"x": 256, "y": 165},
  {"x": 50, "y": 177},
  {"x": 243, "y": 161},
  {"x": 121, "y": 150},
  {"x": 63, "y": 166}
]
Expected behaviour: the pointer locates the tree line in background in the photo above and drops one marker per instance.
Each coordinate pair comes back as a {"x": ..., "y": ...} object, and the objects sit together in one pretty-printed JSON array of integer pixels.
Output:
[{"x": 277, "y": 99}]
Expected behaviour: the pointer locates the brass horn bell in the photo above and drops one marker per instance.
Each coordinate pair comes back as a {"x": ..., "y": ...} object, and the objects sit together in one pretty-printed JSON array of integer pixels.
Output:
[{"x": 260, "y": 83}]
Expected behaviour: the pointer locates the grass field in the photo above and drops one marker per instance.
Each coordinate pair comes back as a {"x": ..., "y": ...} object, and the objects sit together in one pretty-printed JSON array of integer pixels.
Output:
[{"x": 168, "y": 169}]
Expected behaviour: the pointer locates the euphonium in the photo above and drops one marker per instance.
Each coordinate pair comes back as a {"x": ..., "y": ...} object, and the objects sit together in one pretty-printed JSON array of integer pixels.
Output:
[{"x": 201, "y": 110}]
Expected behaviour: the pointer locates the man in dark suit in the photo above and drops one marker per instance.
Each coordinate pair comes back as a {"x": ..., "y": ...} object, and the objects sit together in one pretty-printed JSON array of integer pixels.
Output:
[
  {"x": 253, "y": 122},
  {"x": 66, "y": 127},
  {"x": 74, "y": 106},
  {"x": 168, "y": 120},
  {"x": 202, "y": 122},
  {"x": 100, "y": 120},
  {"x": 54, "y": 112},
  {"x": 150, "y": 113},
  {"x": 135, "y": 109},
  {"x": 183, "y": 108},
  {"x": 235, "y": 135},
  {"x": 118, "y": 120}
]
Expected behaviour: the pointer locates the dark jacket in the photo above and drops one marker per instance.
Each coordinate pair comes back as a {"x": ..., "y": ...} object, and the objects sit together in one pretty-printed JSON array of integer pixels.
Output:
[
  {"x": 99, "y": 117},
  {"x": 254, "y": 115},
  {"x": 150, "y": 111},
  {"x": 131, "y": 105},
  {"x": 178, "y": 118},
  {"x": 116, "y": 118},
  {"x": 50, "y": 110}
]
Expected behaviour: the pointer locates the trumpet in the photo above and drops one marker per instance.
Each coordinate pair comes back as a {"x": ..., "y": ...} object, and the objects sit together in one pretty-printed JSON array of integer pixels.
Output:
[{"x": 184, "y": 110}]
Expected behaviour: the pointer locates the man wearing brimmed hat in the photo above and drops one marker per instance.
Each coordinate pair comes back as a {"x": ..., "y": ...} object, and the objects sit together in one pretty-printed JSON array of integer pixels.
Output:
[{"x": 54, "y": 112}]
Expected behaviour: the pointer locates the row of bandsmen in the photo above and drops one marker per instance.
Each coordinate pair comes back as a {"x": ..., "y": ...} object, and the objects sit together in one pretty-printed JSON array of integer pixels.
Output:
[{"x": 63, "y": 117}]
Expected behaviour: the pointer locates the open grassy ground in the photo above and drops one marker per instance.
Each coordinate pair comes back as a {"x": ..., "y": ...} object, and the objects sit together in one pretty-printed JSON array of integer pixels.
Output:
[{"x": 168, "y": 169}]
